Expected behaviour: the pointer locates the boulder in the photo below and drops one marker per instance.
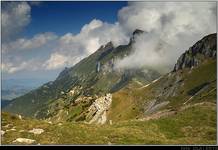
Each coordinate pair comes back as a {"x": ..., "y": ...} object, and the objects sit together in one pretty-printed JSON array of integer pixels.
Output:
[
  {"x": 2, "y": 132},
  {"x": 36, "y": 131},
  {"x": 24, "y": 140},
  {"x": 20, "y": 117}
]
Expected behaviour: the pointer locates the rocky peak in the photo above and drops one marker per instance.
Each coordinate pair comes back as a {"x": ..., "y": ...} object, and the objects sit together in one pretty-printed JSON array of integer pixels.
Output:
[
  {"x": 106, "y": 49},
  {"x": 63, "y": 73},
  {"x": 136, "y": 33},
  {"x": 206, "y": 47},
  {"x": 109, "y": 44}
]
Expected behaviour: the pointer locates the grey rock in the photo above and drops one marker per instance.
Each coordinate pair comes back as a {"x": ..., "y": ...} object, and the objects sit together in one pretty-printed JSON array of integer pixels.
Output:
[
  {"x": 36, "y": 131},
  {"x": 205, "y": 47},
  {"x": 24, "y": 140}
]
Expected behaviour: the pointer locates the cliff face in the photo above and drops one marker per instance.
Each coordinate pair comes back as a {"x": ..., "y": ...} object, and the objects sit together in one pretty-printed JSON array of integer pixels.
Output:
[
  {"x": 97, "y": 111},
  {"x": 196, "y": 54}
]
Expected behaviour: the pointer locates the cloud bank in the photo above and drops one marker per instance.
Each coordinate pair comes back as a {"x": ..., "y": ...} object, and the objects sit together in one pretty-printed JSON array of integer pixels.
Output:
[
  {"x": 73, "y": 48},
  {"x": 170, "y": 28},
  {"x": 20, "y": 44},
  {"x": 15, "y": 17}
]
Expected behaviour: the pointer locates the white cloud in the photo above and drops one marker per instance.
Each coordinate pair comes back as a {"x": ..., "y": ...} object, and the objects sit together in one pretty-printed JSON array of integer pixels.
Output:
[
  {"x": 73, "y": 48},
  {"x": 55, "y": 61},
  {"x": 91, "y": 26},
  {"x": 35, "y": 3},
  {"x": 15, "y": 16},
  {"x": 12, "y": 67},
  {"x": 149, "y": 52},
  {"x": 37, "y": 41},
  {"x": 139, "y": 16},
  {"x": 176, "y": 25},
  {"x": 92, "y": 36}
]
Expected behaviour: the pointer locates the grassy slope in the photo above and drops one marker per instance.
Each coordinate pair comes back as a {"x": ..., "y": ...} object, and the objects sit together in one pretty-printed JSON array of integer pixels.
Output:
[
  {"x": 42, "y": 96},
  {"x": 196, "y": 125},
  {"x": 128, "y": 103}
]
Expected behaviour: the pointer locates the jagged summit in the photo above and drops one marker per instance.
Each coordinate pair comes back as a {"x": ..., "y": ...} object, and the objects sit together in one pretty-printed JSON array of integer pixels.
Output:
[
  {"x": 109, "y": 44},
  {"x": 63, "y": 72},
  {"x": 135, "y": 33},
  {"x": 106, "y": 49},
  {"x": 196, "y": 54}
]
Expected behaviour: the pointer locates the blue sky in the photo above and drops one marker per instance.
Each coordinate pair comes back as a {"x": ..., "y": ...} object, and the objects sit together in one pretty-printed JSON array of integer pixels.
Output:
[
  {"x": 41, "y": 39},
  {"x": 59, "y": 17}
]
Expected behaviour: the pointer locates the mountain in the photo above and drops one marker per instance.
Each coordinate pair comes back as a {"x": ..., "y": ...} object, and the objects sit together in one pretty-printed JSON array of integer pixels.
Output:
[
  {"x": 188, "y": 83},
  {"x": 12, "y": 88},
  {"x": 9, "y": 94},
  {"x": 4, "y": 103},
  {"x": 89, "y": 79},
  {"x": 19, "y": 83},
  {"x": 197, "y": 53},
  {"x": 192, "y": 81},
  {"x": 175, "y": 108}
]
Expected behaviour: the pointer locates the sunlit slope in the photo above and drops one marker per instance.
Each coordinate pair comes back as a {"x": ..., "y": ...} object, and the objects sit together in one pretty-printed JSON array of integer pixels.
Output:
[{"x": 195, "y": 125}]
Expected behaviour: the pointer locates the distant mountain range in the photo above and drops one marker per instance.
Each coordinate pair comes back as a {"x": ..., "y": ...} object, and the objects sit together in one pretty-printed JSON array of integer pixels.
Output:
[
  {"x": 9, "y": 94},
  {"x": 22, "y": 83},
  {"x": 12, "y": 88}
]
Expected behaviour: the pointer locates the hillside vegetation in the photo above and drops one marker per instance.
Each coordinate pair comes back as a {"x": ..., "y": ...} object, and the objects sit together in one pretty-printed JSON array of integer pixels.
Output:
[
  {"x": 195, "y": 125},
  {"x": 100, "y": 107}
]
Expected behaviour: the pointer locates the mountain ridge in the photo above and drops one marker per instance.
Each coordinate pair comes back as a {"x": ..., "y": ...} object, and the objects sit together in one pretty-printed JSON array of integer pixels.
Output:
[
  {"x": 94, "y": 74},
  {"x": 205, "y": 46}
]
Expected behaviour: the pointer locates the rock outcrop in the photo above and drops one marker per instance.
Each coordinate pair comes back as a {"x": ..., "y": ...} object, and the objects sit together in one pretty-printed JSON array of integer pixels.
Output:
[
  {"x": 205, "y": 47},
  {"x": 136, "y": 33},
  {"x": 152, "y": 106},
  {"x": 97, "y": 111},
  {"x": 24, "y": 140},
  {"x": 36, "y": 131},
  {"x": 2, "y": 132}
]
